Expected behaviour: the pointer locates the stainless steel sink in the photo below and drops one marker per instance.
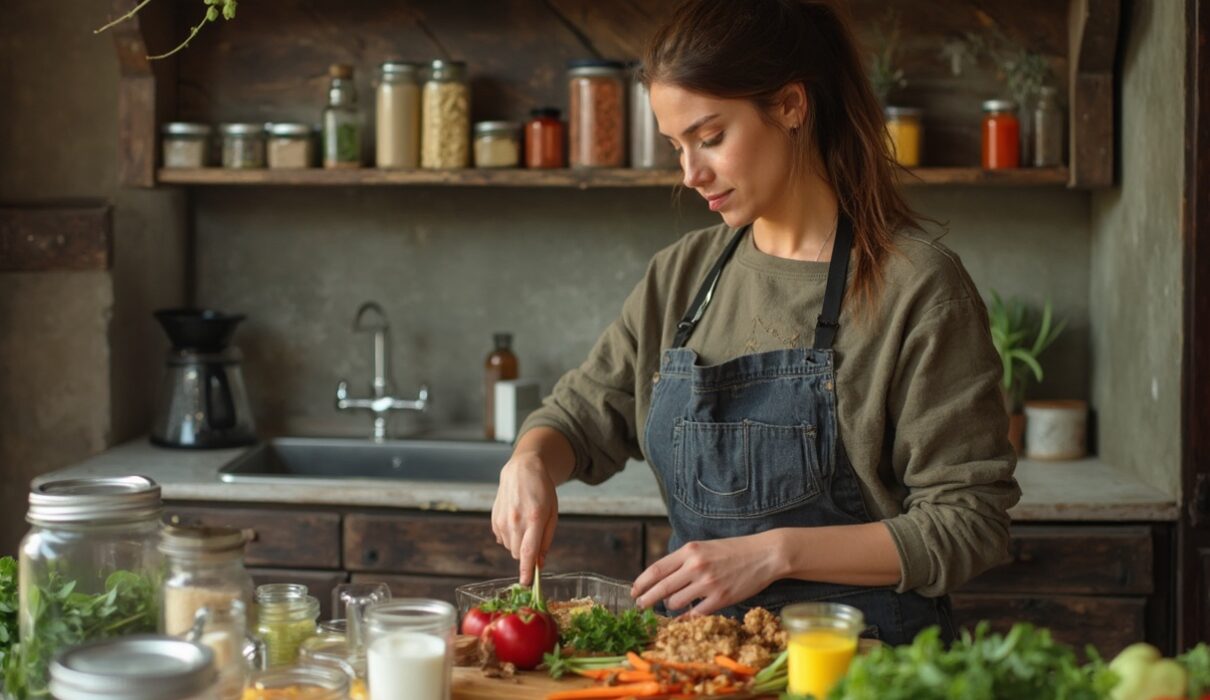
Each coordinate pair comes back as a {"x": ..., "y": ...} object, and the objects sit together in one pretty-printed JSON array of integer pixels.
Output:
[{"x": 292, "y": 459}]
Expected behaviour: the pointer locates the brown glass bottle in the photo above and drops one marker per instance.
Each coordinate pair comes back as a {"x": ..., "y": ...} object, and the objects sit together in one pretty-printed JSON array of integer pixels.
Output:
[{"x": 500, "y": 364}]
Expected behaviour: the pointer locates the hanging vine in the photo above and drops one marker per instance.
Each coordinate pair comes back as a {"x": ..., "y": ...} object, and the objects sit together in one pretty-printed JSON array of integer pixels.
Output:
[{"x": 214, "y": 9}]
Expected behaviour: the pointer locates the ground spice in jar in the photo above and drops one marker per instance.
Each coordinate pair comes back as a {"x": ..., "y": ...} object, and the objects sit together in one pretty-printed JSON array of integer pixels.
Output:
[
  {"x": 544, "y": 139},
  {"x": 445, "y": 117},
  {"x": 497, "y": 145},
  {"x": 597, "y": 117},
  {"x": 290, "y": 146},
  {"x": 186, "y": 145}
]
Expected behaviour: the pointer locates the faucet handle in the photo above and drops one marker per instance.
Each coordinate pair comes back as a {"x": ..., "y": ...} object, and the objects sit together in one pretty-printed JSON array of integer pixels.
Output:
[
  {"x": 342, "y": 391},
  {"x": 424, "y": 393}
]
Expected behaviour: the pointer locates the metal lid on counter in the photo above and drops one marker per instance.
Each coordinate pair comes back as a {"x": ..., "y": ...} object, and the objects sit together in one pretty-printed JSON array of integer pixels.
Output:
[
  {"x": 94, "y": 500},
  {"x": 138, "y": 667}
]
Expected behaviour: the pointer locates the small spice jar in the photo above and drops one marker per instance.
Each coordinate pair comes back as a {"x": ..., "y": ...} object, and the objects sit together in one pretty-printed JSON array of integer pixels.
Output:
[
  {"x": 904, "y": 134},
  {"x": 290, "y": 146},
  {"x": 243, "y": 145},
  {"x": 140, "y": 667},
  {"x": 497, "y": 144},
  {"x": 445, "y": 114},
  {"x": 544, "y": 139},
  {"x": 186, "y": 144},
  {"x": 286, "y": 617},
  {"x": 597, "y": 116},
  {"x": 1048, "y": 129},
  {"x": 1001, "y": 135},
  {"x": 398, "y": 115}
]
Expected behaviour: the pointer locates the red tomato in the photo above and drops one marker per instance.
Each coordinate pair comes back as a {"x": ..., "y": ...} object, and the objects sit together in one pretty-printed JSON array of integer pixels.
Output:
[
  {"x": 476, "y": 620},
  {"x": 522, "y": 637}
]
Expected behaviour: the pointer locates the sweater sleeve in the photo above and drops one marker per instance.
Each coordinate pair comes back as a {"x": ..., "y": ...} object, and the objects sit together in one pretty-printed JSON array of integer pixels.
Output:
[
  {"x": 594, "y": 405},
  {"x": 950, "y": 449}
]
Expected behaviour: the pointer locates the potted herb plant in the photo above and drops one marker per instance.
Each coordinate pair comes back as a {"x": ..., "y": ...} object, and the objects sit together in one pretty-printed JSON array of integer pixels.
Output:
[{"x": 1019, "y": 341}]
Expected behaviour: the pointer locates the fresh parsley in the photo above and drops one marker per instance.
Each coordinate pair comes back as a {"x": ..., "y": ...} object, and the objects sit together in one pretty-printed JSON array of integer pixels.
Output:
[
  {"x": 1197, "y": 664},
  {"x": 598, "y": 631},
  {"x": 8, "y": 607}
]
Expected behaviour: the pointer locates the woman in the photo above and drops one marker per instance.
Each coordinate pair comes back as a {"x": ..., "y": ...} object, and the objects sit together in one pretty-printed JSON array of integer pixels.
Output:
[{"x": 813, "y": 381}]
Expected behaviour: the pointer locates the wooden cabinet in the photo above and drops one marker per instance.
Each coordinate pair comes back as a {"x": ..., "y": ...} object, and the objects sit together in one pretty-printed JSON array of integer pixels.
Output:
[{"x": 1108, "y": 585}]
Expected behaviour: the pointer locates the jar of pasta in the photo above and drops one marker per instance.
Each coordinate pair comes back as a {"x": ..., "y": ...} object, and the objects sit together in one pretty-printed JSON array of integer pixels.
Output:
[
  {"x": 597, "y": 114},
  {"x": 445, "y": 113},
  {"x": 904, "y": 134}
]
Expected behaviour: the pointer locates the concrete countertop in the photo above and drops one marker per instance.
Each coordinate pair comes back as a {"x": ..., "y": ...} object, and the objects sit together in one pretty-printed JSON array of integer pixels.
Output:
[{"x": 1084, "y": 490}]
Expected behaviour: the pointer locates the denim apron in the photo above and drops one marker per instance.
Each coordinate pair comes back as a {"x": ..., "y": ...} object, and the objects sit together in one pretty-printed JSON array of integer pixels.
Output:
[{"x": 753, "y": 444}]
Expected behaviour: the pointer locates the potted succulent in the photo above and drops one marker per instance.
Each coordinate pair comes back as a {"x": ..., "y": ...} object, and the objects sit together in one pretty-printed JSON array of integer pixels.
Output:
[{"x": 1019, "y": 341}]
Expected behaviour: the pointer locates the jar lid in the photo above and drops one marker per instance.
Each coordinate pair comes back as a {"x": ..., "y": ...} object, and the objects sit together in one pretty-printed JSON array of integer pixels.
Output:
[
  {"x": 999, "y": 106},
  {"x": 498, "y": 127},
  {"x": 138, "y": 667},
  {"x": 186, "y": 129},
  {"x": 289, "y": 129},
  {"x": 546, "y": 112},
  {"x": 242, "y": 129},
  {"x": 94, "y": 500},
  {"x": 403, "y": 69},
  {"x": 896, "y": 112},
  {"x": 193, "y": 541},
  {"x": 447, "y": 70},
  {"x": 585, "y": 67}
]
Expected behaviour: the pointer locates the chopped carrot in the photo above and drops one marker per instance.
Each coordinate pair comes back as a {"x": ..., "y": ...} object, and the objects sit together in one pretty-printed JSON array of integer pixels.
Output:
[
  {"x": 638, "y": 690},
  {"x": 691, "y": 667},
  {"x": 638, "y": 662},
  {"x": 599, "y": 674},
  {"x": 636, "y": 676},
  {"x": 731, "y": 664}
]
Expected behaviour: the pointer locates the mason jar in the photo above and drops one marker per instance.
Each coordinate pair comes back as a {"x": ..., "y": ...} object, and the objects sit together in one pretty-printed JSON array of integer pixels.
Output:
[
  {"x": 312, "y": 683},
  {"x": 597, "y": 115},
  {"x": 89, "y": 567},
  {"x": 497, "y": 144},
  {"x": 445, "y": 117},
  {"x": 648, "y": 147},
  {"x": 142, "y": 667},
  {"x": 286, "y": 616},
  {"x": 185, "y": 144},
  {"x": 398, "y": 115},
  {"x": 243, "y": 145}
]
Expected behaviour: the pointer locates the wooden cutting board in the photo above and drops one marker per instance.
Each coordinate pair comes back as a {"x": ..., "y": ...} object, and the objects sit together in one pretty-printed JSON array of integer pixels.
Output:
[{"x": 470, "y": 684}]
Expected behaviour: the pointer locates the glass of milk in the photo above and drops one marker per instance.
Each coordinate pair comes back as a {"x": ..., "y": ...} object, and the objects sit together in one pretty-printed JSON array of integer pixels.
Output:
[{"x": 411, "y": 643}]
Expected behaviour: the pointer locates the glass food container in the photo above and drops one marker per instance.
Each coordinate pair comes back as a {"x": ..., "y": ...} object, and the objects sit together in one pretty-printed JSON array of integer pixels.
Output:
[
  {"x": 648, "y": 148},
  {"x": 286, "y": 616},
  {"x": 1001, "y": 135},
  {"x": 497, "y": 144},
  {"x": 398, "y": 115},
  {"x": 544, "y": 139},
  {"x": 411, "y": 652},
  {"x": 89, "y": 567},
  {"x": 290, "y": 145},
  {"x": 597, "y": 115},
  {"x": 243, "y": 145},
  {"x": 186, "y": 145},
  {"x": 298, "y": 682},
  {"x": 445, "y": 114},
  {"x": 823, "y": 641},
  {"x": 141, "y": 667},
  {"x": 904, "y": 133}
]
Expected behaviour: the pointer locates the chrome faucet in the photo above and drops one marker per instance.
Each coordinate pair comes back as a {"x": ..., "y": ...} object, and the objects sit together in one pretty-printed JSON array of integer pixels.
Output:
[{"x": 382, "y": 402}]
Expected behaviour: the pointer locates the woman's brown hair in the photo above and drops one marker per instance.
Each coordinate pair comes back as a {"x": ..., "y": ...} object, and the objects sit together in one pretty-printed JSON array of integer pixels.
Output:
[{"x": 752, "y": 49}]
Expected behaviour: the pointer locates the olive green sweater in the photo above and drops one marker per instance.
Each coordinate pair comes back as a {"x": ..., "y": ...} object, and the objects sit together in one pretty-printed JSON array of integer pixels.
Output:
[{"x": 920, "y": 409}]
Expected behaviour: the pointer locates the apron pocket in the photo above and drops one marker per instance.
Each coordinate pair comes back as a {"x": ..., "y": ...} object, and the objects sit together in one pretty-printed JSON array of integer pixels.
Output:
[{"x": 745, "y": 469}]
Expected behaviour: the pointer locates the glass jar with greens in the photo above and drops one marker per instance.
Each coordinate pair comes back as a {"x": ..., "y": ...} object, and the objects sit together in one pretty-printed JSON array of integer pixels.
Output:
[
  {"x": 286, "y": 617},
  {"x": 341, "y": 120},
  {"x": 89, "y": 569}
]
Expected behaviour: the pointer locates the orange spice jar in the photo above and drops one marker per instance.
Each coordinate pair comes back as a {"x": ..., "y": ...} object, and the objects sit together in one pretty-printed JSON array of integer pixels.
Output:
[
  {"x": 597, "y": 115},
  {"x": 544, "y": 139},
  {"x": 1001, "y": 135}
]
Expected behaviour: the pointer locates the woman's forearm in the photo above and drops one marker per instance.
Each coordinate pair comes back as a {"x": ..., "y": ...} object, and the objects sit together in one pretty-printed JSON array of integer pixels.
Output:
[
  {"x": 553, "y": 450},
  {"x": 856, "y": 555}
]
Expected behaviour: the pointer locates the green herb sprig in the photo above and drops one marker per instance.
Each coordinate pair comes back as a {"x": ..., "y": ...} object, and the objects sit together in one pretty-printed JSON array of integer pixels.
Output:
[
  {"x": 214, "y": 9},
  {"x": 1197, "y": 664},
  {"x": 599, "y": 631},
  {"x": 8, "y": 608}
]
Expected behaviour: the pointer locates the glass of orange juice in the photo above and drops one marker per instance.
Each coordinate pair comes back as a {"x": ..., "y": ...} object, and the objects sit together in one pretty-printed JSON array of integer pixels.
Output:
[{"x": 823, "y": 640}]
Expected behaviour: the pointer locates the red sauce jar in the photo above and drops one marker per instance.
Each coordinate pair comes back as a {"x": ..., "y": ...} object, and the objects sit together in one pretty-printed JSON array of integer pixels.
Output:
[
  {"x": 544, "y": 139},
  {"x": 1001, "y": 135}
]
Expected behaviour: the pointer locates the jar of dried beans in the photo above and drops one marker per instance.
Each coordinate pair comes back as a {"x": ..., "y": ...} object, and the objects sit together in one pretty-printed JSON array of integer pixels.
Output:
[
  {"x": 445, "y": 117},
  {"x": 597, "y": 115}
]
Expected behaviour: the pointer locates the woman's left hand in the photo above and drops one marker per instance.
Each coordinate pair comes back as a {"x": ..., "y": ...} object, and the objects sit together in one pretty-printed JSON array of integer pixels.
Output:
[{"x": 716, "y": 573}]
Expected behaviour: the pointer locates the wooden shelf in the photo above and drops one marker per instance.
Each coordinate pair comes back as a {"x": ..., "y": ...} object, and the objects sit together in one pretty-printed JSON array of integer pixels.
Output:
[{"x": 581, "y": 179}]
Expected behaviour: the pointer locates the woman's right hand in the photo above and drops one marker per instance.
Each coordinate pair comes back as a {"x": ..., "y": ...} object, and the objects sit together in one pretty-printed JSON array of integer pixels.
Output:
[{"x": 525, "y": 511}]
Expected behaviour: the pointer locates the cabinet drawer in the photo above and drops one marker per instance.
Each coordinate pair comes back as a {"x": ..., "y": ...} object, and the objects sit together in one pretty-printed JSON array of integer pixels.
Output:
[
  {"x": 319, "y": 583},
  {"x": 402, "y": 586},
  {"x": 1108, "y": 623},
  {"x": 1077, "y": 560},
  {"x": 655, "y": 545},
  {"x": 279, "y": 537},
  {"x": 463, "y": 545}
]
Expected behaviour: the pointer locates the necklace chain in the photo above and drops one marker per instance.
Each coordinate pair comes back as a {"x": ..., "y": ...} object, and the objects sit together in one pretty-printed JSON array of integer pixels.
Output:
[{"x": 828, "y": 240}]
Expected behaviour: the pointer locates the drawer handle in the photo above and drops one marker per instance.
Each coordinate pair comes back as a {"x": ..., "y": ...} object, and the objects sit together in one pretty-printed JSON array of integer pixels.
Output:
[
  {"x": 1019, "y": 556},
  {"x": 250, "y": 535},
  {"x": 371, "y": 556}
]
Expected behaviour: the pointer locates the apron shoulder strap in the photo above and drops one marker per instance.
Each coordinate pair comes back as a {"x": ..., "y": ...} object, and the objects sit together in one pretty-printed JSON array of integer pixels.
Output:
[
  {"x": 838, "y": 277},
  {"x": 685, "y": 327}
]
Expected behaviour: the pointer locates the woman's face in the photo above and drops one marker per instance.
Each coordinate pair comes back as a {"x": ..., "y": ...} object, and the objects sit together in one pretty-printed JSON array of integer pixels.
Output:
[{"x": 737, "y": 160}]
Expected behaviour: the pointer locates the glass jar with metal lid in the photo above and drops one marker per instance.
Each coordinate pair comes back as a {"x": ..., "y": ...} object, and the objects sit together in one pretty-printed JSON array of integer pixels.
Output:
[
  {"x": 497, "y": 144},
  {"x": 243, "y": 145},
  {"x": 445, "y": 117},
  {"x": 397, "y": 122},
  {"x": 648, "y": 147},
  {"x": 290, "y": 145},
  {"x": 142, "y": 667},
  {"x": 90, "y": 566},
  {"x": 904, "y": 131},
  {"x": 312, "y": 683},
  {"x": 186, "y": 144},
  {"x": 206, "y": 569},
  {"x": 597, "y": 113}
]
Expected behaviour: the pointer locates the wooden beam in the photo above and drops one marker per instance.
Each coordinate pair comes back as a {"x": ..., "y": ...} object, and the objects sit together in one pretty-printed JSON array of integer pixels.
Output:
[
  {"x": 1093, "y": 39},
  {"x": 146, "y": 89},
  {"x": 56, "y": 237}
]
